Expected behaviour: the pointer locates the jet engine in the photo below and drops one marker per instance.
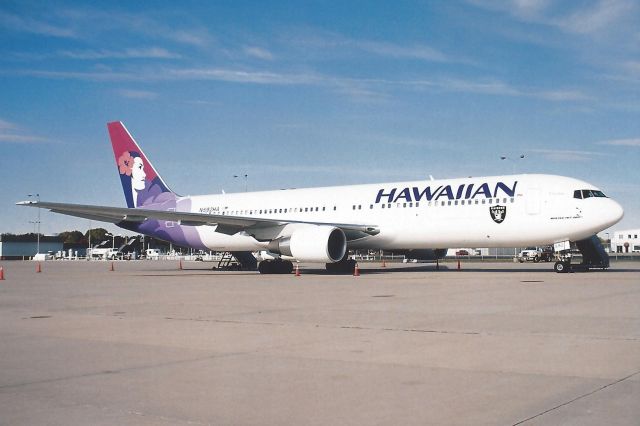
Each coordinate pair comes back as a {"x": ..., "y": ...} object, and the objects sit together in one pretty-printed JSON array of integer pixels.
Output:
[{"x": 312, "y": 243}]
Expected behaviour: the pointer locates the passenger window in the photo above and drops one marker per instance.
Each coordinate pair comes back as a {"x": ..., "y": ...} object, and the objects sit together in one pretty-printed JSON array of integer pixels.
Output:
[
  {"x": 370, "y": 206},
  {"x": 417, "y": 204}
]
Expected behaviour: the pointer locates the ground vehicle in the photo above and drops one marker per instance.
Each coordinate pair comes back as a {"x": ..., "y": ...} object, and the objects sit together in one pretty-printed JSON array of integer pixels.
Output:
[
  {"x": 530, "y": 254},
  {"x": 102, "y": 253},
  {"x": 462, "y": 253},
  {"x": 152, "y": 254}
]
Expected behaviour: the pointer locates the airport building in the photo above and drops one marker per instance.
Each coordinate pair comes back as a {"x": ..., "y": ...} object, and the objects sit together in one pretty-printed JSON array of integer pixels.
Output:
[
  {"x": 18, "y": 247},
  {"x": 626, "y": 241}
]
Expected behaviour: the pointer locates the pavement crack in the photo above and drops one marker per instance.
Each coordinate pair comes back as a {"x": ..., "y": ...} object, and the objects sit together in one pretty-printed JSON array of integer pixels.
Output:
[{"x": 601, "y": 388}]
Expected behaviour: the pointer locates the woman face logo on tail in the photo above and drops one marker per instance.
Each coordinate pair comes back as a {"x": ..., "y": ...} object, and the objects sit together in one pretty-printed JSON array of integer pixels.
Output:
[{"x": 131, "y": 168}]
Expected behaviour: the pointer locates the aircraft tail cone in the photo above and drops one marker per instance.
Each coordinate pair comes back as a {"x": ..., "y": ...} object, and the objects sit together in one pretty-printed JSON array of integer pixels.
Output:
[
  {"x": 297, "y": 270},
  {"x": 1, "y": 273},
  {"x": 38, "y": 268},
  {"x": 356, "y": 271}
]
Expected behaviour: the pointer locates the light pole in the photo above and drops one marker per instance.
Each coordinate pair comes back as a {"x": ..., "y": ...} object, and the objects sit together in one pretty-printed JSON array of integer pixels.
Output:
[
  {"x": 113, "y": 239},
  {"x": 245, "y": 176},
  {"x": 38, "y": 221},
  {"x": 513, "y": 161}
]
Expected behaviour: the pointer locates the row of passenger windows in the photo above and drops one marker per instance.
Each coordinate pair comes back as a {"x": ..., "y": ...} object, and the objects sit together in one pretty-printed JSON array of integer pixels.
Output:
[
  {"x": 272, "y": 211},
  {"x": 371, "y": 206},
  {"x": 439, "y": 203}
]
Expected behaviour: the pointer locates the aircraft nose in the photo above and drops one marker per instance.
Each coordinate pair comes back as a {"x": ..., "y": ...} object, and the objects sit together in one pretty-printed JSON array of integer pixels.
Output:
[{"x": 615, "y": 212}]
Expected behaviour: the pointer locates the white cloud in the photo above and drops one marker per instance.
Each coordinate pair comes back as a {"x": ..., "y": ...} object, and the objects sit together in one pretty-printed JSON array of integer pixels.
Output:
[
  {"x": 421, "y": 52},
  {"x": 589, "y": 18},
  {"x": 634, "y": 142},
  {"x": 129, "y": 53},
  {"x": 11, "y": 133},
  {"x": 137, "y": 94},
  {"x": 258, "y": 52},
  {"x": 33, "y": 26},
  {"x": 369, "y": 89},
  {"x": 567, "y": 155}
]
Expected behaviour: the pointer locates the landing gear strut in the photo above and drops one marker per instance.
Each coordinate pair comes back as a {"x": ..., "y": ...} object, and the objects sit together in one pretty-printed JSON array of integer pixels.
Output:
[{"x": 277, "y": 266}]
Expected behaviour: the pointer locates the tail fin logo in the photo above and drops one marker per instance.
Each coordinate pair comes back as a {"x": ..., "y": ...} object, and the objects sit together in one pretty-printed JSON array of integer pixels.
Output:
[
  {"x": 140, "y": 182},
  {"x": 133, "y": 177}
]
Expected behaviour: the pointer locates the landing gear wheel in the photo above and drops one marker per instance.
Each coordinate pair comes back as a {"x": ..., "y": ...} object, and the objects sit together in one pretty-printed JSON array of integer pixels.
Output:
[
  {"x": 536, "y": 259},
  {"x": 561, "y": 267}
]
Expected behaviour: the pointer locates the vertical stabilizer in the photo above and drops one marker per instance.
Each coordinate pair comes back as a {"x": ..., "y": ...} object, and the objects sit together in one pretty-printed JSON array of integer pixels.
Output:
[{"x": 140, "y": 181}]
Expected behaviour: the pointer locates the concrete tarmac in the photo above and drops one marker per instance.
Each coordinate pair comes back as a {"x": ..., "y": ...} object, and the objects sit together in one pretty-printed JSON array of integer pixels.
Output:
[{"x": 148, "y": 344}]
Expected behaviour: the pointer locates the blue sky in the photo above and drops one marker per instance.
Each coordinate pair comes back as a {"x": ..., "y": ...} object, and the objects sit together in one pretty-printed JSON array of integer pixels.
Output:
[{"x": 300, "y": 94}]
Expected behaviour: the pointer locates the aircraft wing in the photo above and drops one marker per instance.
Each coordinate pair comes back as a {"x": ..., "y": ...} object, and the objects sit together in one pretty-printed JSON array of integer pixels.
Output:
[{"x": 225, "y": 224}]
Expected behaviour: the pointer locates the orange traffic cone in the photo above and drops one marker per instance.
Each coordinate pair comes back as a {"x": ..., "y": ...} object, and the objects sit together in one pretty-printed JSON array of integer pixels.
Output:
[
  {"x": 297, "y": 270},
  {"x": 356, "y": 270},
  {"x": 1, "y": 273},
  {"x": 384, "y": 264},
  {"x": 180, "y": 265},
  {"x": 458, "y": 264},
  {"x": 38, "y": 268},
  {"x": 112, "y": 269}
]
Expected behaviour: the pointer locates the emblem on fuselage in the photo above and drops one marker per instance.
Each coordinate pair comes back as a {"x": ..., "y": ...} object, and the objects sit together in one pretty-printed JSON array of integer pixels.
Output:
[{"x": 498, "y": 213}]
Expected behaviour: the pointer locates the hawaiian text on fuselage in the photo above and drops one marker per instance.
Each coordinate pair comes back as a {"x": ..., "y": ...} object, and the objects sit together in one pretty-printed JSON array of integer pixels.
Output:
[{"x": 449, "y": 192}]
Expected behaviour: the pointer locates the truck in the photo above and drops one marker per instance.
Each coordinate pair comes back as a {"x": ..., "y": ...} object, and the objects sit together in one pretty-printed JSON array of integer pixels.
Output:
[
  {"x": 536, "y": 254},
  {"x": 102, "y": 253}
]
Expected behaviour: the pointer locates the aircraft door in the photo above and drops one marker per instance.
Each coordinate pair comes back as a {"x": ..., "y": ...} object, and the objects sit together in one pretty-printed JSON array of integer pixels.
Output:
[{"x": 533, "y": 201}]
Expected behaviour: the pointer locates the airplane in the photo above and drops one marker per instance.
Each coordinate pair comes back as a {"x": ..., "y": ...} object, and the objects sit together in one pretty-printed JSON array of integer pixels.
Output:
[{"x": 417, "y": 218}]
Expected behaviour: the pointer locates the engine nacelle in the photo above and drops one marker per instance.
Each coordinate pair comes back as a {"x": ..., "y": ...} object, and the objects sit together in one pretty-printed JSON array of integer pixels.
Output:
[{"x": 312, "y": 243}]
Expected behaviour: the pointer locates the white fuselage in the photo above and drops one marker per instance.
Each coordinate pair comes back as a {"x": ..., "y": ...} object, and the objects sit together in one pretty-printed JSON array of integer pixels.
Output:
[{"x": 528, "y": 210}]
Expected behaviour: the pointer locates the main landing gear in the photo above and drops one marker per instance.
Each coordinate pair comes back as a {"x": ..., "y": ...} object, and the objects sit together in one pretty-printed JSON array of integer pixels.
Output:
[{"x": 277, "y": 266}]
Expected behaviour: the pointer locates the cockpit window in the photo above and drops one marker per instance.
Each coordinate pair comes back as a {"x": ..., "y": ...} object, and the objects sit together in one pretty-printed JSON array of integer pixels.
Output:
[{"x": 588, "y": 193}]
